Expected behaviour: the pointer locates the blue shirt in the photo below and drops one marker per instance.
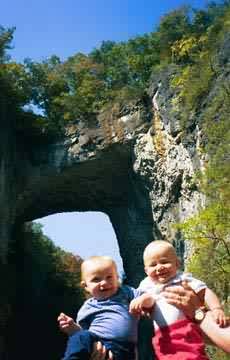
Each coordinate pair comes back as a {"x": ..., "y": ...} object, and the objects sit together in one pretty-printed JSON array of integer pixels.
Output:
[{"x": 110, "y": 318}]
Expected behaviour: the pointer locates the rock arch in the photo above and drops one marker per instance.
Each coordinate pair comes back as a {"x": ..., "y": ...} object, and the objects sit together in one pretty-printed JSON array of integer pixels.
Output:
[
  {"x": 85, "y": 171},
  {"x": 136, "y": 169}
]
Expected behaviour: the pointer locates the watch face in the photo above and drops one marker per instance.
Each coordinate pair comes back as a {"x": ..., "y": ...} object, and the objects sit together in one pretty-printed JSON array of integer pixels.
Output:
[{"x": 199, "y": 315}]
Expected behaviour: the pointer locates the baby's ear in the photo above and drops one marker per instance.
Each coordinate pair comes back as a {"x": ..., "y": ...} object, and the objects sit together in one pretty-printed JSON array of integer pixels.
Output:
[
  {"x": 83, "y": 284},
  {"x": 178, "y": 262}
]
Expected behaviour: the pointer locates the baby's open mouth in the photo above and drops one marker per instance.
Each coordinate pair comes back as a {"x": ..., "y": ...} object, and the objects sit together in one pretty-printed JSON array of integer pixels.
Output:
[
  {"x": 104, "y": 289},
  {"x": 163, "y": 274}
]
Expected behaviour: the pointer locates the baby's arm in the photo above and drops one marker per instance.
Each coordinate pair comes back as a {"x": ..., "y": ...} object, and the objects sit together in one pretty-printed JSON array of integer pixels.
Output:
[
  {"x": 141, "y": 304},
  {"x": 67, "y": 324},
  {"x": 215, "y": 307}
]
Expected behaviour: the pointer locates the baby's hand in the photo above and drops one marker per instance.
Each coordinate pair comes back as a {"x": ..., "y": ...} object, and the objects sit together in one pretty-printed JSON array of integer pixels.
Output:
[
  {"x": 142, "y": 305},
  {"x": 220, "y": 317},
  {"x": 67, "y": 324},
  {"x": 135, "y": 307}
]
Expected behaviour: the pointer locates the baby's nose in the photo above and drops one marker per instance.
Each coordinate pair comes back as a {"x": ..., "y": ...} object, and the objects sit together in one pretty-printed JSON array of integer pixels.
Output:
[
  {"x": 103, "y": 283},
  {"x": 160, "y": 266}
]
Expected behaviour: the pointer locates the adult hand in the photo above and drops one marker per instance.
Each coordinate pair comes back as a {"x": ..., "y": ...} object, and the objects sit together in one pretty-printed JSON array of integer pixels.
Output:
[
  {"x": 220, "y": 318},
  {"x": 218, "y": 336},
  {"x": 100, "y": 352},
  {"x": 184, "y": 298}
]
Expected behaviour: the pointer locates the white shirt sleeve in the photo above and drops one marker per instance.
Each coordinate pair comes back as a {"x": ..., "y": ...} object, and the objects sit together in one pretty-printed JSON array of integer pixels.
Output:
[{"x": 196, "y": 284}]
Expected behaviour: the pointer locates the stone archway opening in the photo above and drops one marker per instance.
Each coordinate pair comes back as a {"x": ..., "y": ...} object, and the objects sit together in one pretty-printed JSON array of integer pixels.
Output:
[
  {"x": 84, "y": 234},
  {"x": 105, "y": 183}
]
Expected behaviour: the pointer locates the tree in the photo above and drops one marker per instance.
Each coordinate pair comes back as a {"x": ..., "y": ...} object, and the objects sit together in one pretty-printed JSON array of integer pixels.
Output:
[
  {"x": 6, "y": 36},
  {"x": 46, "y": 282}
]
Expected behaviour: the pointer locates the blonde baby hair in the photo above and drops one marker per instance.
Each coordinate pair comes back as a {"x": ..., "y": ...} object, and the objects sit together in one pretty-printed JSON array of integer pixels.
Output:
[
  {"x": 155, "y": 245},
  {"x": 97, "y": 260}
]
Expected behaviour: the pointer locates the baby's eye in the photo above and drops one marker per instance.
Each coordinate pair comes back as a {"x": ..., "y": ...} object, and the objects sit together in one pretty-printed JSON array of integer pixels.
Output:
[
  {"x": 96, "y": 279},
  {"x": 164, "y": 261}
]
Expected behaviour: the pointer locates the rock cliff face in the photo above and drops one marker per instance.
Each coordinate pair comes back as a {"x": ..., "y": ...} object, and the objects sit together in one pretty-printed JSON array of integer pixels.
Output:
[{"x": 137, "y": 169}]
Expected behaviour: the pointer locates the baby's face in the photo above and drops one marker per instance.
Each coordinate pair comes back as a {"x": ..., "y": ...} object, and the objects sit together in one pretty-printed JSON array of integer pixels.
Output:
[
  {"x": 101, "y": 280},
  {"x": 161, "y": 264}
]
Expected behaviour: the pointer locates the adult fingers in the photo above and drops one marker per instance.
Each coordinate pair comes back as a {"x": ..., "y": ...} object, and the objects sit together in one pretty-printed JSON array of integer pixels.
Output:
[
  {"x": 183, "y": 298},
  {"x": 186, "y": 286},
  {"x": 173, "y": 294},
  {"x": 110, "y": 355},
  {"x": 99, "y": 351},
  {"x": 227, "y": 319},
  {"x": 223, "y": 321},
  {"x": 146, "y": 313}
]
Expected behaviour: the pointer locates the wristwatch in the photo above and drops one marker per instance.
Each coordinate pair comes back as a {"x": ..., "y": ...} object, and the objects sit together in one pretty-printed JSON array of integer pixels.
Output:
[{"x": 199, "y": 314}]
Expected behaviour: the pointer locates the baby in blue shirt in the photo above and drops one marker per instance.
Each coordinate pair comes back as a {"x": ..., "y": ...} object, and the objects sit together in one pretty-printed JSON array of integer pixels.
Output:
[{"x": 104, "y": 317}]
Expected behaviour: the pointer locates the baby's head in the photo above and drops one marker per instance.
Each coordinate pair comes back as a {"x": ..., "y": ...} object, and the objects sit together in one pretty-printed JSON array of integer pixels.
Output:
[
  {"x": 160, "y": 260},
  {"x": 99, "y": 277}
]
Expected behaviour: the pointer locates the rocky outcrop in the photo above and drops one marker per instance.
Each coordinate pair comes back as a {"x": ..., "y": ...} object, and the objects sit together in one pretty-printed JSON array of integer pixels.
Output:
[
  {"x": 166, "y": 162},
  {"x": 135, "y": 168}
]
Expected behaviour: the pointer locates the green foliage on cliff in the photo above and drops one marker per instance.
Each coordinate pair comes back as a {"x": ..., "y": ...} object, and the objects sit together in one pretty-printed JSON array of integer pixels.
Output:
[
  {"x": 209, "y": 230},
  {"x": 46, "y": 281},
  {"x": 198, "y": 55},
  {"x": 84, "y": 85},
  {"x": 12, "y": 75},
  {"x": 201, "y": 87},
  {"x": 204, "y": 95}
]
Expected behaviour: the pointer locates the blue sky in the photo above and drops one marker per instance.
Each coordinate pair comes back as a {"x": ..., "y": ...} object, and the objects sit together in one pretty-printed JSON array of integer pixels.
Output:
[{"x": 63, "y": 28}]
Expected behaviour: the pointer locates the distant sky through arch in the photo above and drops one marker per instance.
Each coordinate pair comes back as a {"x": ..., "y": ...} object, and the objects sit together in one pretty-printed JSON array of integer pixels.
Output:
[{"x": 83, "y": 233}]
